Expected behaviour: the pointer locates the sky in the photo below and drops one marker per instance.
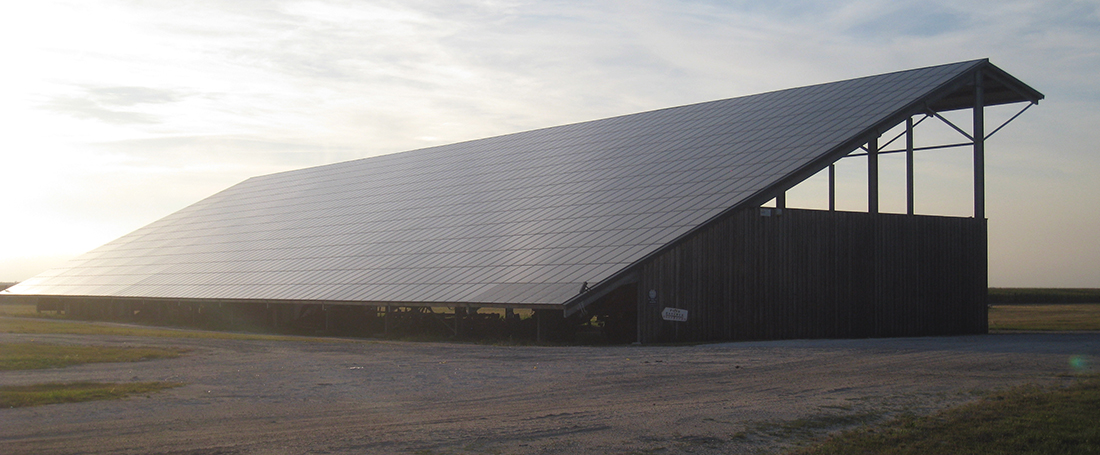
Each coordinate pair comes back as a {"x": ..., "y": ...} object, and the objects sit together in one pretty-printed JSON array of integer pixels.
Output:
[{"x": 114, "y": 114}]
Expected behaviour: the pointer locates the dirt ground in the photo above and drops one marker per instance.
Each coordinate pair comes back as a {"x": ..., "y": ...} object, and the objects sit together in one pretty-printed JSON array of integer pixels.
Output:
[{"x": 288, "y": 397}]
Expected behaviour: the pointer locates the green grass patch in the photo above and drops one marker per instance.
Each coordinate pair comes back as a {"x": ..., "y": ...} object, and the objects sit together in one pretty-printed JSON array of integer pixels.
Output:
[
  {"x": 1044, "y": 295},
  {"x": 1023, "y": 420},
  {"x": 73, "y": 392},
  {"x": 1083, "y": 316},
  {"x": 804, "y": 428},
  {"x": 32, "y": 356},
  {"x": 40, "y": 326}
]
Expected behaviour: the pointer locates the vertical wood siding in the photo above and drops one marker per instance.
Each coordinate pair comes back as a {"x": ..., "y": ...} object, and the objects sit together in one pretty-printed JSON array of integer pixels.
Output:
[{"x": 819, "y": 274}]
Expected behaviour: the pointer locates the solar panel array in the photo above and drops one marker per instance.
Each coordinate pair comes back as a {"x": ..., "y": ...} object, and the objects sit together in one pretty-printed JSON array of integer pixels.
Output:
[{"x": 524, "y": 218}]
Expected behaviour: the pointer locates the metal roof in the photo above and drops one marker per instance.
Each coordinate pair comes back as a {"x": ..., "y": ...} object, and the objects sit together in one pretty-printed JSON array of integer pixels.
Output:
[{"x": 524, "y": 218}]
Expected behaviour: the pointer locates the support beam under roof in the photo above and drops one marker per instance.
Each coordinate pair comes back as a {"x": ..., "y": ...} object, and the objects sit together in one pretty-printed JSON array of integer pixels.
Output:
[
  {"x": 979, "y": 145},
  {"x": 909, "y": 166},
  {"x": 872, "y": 176}
]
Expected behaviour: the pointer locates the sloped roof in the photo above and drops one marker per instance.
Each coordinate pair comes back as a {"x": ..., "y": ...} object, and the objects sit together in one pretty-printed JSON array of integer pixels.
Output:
[{"x": 524, "y": 218}]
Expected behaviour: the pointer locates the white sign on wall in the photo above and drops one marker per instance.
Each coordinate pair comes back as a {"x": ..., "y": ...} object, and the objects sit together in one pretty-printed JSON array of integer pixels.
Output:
[{"x": 674, "y": 314}]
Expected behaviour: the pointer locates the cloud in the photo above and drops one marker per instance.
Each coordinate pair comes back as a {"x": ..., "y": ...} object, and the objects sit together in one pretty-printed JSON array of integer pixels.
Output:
[
  {"x": 918, "y": 20},
  {"x": 240, "y": 156},
  {"x": 101, "y": 103},
  {"x": 129, "y": 96},
  {"x": 84, "y": 108}
]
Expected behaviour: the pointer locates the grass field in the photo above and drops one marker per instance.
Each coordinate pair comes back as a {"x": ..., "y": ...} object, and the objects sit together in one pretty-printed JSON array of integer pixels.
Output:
[
  {"x": 1024, "y": 420},
  {"x": 27, "y": 356},
  {"x": 72, "y": 392},
  {"x": 1053, "y": 317},
  {"x": 36, "y": 326}
]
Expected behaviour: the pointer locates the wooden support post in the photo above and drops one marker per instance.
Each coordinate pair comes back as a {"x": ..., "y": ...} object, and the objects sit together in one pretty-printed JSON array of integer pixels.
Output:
[
  {"x": 832, "y": 187},
  {"x": 909, "y": 165},
  {"x": 324, "y": 309},
  {"x": 540, "y": 315},
  {"x": 872, "y": 176},
  {"x": 979, "y": 147},
  {"x": 386, "y": 320},
  {"x": 781, "y": 201},
  {"x": 460, "y": 316},
  {"x": 274, "y": 316}
]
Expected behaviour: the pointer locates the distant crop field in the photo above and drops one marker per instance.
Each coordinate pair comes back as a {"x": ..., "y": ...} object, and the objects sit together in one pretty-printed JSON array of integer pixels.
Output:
[
  {"x": 1044, "y": 295},
  {"x": 1049, "y": 317},
  {"x": 18, "y": 309}
]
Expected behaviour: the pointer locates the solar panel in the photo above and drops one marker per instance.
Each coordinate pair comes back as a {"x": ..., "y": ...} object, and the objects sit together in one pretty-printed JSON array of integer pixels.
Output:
[{"x": 524, "y": 218}]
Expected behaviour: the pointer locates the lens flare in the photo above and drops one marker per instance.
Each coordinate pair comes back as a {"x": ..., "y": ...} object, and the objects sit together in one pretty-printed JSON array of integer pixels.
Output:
[{"x": 1079, "y": 363}]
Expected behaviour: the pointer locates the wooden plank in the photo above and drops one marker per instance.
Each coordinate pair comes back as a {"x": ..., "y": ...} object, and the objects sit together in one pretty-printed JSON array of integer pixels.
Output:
[{"x": 820, "y": 274}]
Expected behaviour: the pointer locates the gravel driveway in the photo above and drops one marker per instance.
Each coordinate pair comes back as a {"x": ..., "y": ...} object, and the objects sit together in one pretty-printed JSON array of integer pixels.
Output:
[{"x": 290, "y": 397}]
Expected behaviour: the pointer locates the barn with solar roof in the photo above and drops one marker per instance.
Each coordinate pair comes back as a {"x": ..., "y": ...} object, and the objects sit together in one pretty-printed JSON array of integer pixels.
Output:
[{"x": 667, "y": 225}]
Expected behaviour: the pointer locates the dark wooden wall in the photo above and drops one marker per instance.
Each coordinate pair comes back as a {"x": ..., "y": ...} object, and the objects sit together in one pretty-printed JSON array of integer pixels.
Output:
[{"x": 819, "y": 274}]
